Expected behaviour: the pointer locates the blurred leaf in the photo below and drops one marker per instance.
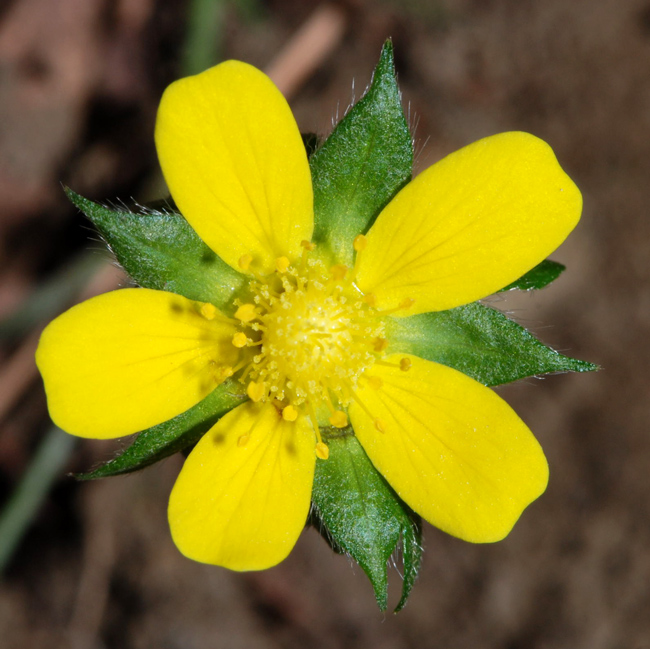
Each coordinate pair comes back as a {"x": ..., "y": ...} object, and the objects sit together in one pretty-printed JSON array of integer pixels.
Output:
[
  {"x": 359, "y": 514},
  {"x": 160, "y": 250},
  {"x": 52, "y": 296},
  {"x": 539, "y": 277},
  {"x": 24, "y": 503},
  {"x": 364, "y": 162},
  {"x": 480, "y": 342},
  {"x": 163, "y": 440}
]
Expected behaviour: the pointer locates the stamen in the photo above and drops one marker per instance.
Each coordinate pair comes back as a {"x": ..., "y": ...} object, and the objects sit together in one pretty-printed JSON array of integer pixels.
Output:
[
  {"x": 405, "y": 364},
  {"x": 307, "y": 247},
  {"x": 370, "y": 299},
  {"x": 289, "y": 413},
  {"x": 245, "y": 262},
  {"x": 404, "y": 304},
  {"x": 379, "y": 344},
  {"x": 322, "y": 451},
  {"x": 338, "y": 272},
  {"x": 246, "y": 313},
  {"x": 360, "y": 242},
  {"x": 282, "y": 264},
  {"x": 240, "y": 339},
  {"x": 256, "y": 391},
  {"x": 339, "y": 419},
  {"x": 226, "y": 372},
  {"x": 209, "y": 311}
]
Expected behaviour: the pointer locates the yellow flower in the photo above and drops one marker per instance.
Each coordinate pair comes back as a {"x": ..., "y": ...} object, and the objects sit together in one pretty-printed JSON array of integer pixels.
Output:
[{"x": 308, "y": 338}]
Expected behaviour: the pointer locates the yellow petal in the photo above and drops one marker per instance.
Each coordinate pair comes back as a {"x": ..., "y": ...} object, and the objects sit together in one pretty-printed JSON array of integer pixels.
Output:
[
  {"x": 243, "y": 495},
  {"x": 452, "y": 449},
  {"x": 131, "y": 359},
  {"x": 469, "y": 225},
  {"x": 235, "y": 164}
]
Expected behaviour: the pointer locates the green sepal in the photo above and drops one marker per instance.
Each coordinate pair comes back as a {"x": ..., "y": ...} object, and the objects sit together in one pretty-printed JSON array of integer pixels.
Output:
[
  {"x": 539, "y": 277},
  {"x": 160, "y": 250},
  {"x": 480, "y": 342},
  {"x": 358, "y": 513},
  {"x": 177, "y": 434},
  {"x": 362, "y": 164}
]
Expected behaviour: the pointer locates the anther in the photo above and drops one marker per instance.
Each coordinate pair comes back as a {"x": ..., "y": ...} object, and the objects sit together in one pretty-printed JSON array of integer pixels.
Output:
[
  {"x": 307, "y": 245},
  {"x": 246, "y": 313},
  {"x": 242, "y": 440},
  {"x": 370, "y": 299},
  {"x": 239, "y": 339},
  {"x": 209, "y": 311},
  {"x": 405, "y": 364},
  {"x": 226, "y": 372},
  {"x": 282, "y": 264},
  {"x": 380, "y": 425},
  {"x": 379, "y": 344},
  {"x": 338, "y": 272},
  {"x": 289, "y": 413},
  {"x": 404, "y": 304},
  {"x": 256, "y": 391},
  {"x": 360, "y": 242},
  {"x": 245, "y": 262},
  {"x": 322, "y": 451},
  {"x": 339, "y": 419}
]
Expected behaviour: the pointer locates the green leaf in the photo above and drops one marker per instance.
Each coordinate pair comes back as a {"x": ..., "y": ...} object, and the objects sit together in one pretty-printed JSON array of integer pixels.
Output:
[
  {"x": 480, "y": 342},
  {"x": 539, "y": 277},
  {"x": 163, "y": 440},
  {"x": 364, "y": 162},
  {"x": 359, "y": 514},
  {"x": 160, "y": 250}
]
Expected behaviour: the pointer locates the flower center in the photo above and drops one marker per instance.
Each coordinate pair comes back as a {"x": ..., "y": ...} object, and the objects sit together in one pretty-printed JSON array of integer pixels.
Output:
[
  {"x": 311, "y": 336},
  {"x": 307, "y": 336}
]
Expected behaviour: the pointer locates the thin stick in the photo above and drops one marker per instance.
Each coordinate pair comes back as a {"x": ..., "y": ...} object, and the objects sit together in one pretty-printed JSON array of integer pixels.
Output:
[{"x": 308, "y": 48}]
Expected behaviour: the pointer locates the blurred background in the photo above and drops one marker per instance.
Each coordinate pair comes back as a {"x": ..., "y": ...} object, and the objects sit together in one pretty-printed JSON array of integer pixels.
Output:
[{"x": 92, "y": 564}]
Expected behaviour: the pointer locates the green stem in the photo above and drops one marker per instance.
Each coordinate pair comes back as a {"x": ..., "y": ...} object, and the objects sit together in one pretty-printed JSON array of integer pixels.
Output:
[{"x": 203, "y": 37}]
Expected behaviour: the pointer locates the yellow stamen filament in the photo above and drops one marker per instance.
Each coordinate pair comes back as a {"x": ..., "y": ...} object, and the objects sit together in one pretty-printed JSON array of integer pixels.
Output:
[
  {"x": 240, "y": 339},
  {"x": 405, "y": 364},
  {"x": 246, "y": 313},
  {"x": 282, "y": 264},
  {"x": 256, "y": 390},
  {"x": 322, "y": 451},
  {"x": 245, "y": 262},
  {"x": 289, "y": 413},
  {"x": 339, "y": 419}
]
